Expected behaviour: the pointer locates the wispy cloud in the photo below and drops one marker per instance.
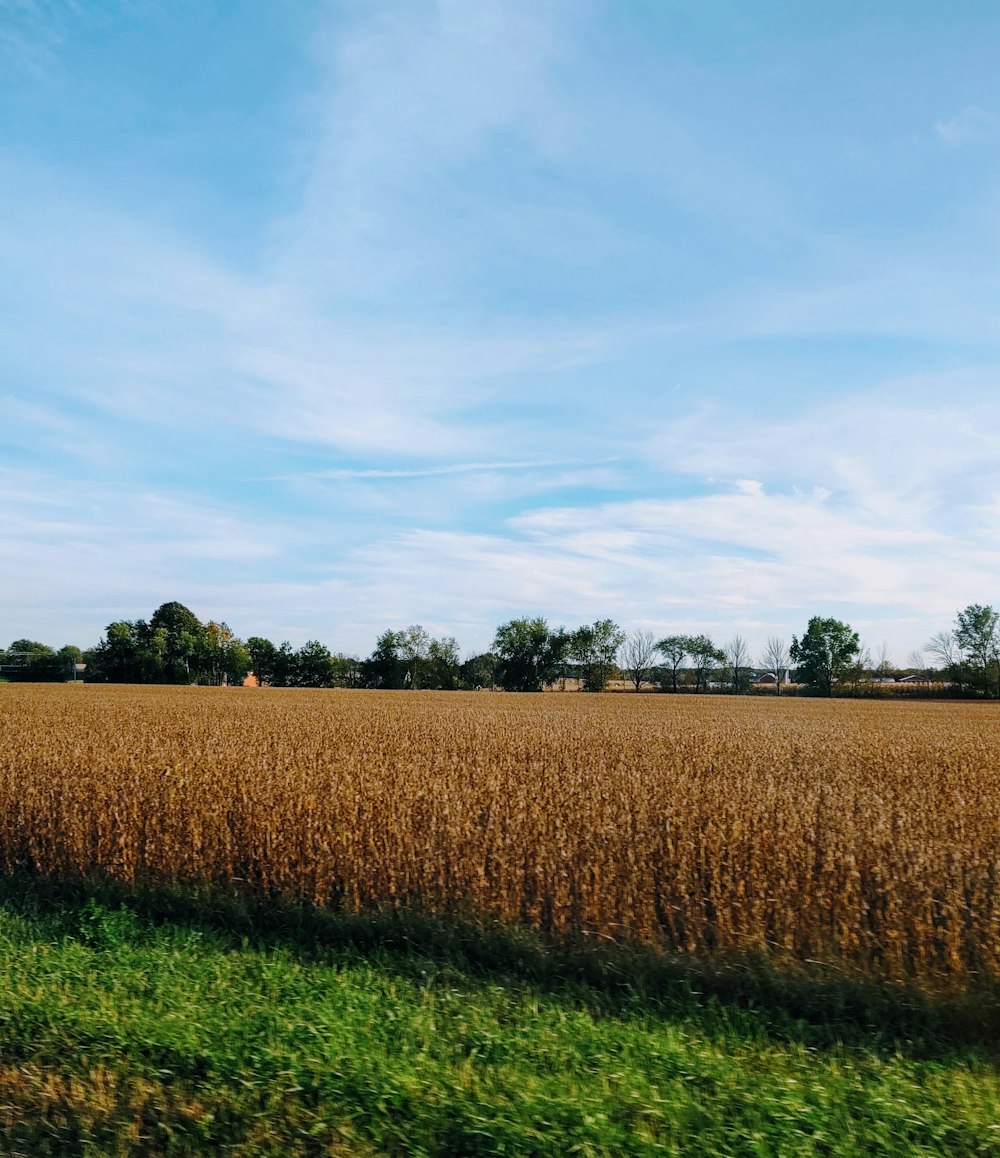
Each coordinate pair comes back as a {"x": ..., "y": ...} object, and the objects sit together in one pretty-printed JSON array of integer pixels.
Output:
[
  {"x": 439, "y": 471},
  {"x": 973, "y": 125}
]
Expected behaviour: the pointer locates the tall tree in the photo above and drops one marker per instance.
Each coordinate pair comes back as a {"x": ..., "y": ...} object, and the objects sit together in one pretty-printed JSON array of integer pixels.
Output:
[
  {"x": 385, "y": 667},
  {"x": 825, "y": 653},
  {"x": 635, "y": 657},
  {"x": 947, "y": 658},
  {"x": 414, "y": 651},
  {"x": 313, "y": 666},
  {"x": 284, "y": 666},
  {"x": 737, "y": 656},
  {"x": 882, "y": 665},
  {"x": 225, "y": 658},
  {"x": 444, "y": 664},
  {"x": 179, "y": 642},
  {"x": 479, "y": 671},
  {"x": 775, "y": 659},
  {"x": 675, "y": 650},
  {"x": 595, "y": 647},
  {"x": 263, "y": 654},
  {"x": 346, "y": 671},
  {"x": 977, "y": 633},
  {"x": 705, "y": 660},
  {"x": 121, "y": 656},
  {"x": 528, "y": 654}
]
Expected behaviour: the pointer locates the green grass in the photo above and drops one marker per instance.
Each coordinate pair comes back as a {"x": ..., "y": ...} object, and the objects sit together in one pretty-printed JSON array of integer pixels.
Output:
[{"x": 167, "y": 1024}]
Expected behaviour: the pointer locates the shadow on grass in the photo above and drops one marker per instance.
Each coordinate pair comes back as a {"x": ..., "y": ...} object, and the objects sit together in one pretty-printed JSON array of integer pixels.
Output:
[{"x": 813, "y": 1006}]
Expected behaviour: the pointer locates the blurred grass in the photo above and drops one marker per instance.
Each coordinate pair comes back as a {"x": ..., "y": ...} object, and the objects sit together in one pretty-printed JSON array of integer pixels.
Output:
[{"x": 137, "y": 1022}]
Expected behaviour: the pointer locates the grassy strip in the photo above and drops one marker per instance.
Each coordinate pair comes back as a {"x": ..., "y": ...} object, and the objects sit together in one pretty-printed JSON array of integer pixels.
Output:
[{"x": 178, "y": 1026}]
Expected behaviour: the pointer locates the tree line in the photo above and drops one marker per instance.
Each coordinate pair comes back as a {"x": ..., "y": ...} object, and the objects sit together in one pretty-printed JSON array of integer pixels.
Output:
[{"x": 174, "y": 647}]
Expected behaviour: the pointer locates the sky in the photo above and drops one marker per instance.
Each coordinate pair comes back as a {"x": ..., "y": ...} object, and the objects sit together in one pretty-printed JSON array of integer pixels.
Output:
[{"x": 327, "y": 318}]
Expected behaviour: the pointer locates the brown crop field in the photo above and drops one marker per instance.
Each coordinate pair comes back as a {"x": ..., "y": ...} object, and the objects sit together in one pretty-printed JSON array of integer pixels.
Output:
[{"x": 864, "y": 835}]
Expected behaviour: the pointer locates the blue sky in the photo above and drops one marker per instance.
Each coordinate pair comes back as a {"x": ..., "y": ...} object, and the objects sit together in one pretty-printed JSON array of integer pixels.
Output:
[{"x": 328, "y": 318}]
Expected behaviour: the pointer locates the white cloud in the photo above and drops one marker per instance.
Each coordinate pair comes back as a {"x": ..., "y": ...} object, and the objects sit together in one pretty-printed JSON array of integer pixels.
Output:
[{"x": 973, "y": 125}]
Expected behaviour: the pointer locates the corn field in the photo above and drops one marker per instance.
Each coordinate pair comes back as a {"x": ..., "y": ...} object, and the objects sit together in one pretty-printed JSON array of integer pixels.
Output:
[{"x": 865, "y": 835}]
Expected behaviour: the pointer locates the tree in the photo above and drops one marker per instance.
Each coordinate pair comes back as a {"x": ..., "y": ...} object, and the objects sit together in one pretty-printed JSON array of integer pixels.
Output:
[
  {"x": 414, "y": 650},
  {"x": 737, "y": 656},
  {"x": 825, "y": 653},
  {"x": 121, "y": 657},
  {"x": 444, "y": 667},
  {"x": 674, "y": 649},
  {"x": 237, "y": 662},
  {"x": 263, "y": 655},
  {"x": 27, "y": 659},
  {"x": 976, "y": 633},
  {"x": 68, "y": 657},
  {"x": 384, "y": 668},
  {"x": 946, "y": 654},
  {"x": 313, "y": 667},
  {"x": 479, "y": 671},
  {"x": 705, "y": 658},
  {"x": 775, "y": 659},
  {"x": 595, "y": 647},
  {"x": 225, "y": 659},
  {"x": 346, "y": 671},
  {"x": 882, "y": 666},
  {"x": 528, "y": 654},
  {"x": 284, "y": 666},
  {"x": 179, "y": 642},
  {"x": 636, "y": 655}
]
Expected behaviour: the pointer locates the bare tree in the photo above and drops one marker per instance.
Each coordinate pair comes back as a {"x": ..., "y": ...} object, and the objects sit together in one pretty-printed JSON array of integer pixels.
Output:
[
  {"x": 944, "y": 649},
  {"x": 883, "y": 662},
  {"x": 636, "y": 655},
  {"x": 918, "y": 661},
  {"x": 775, "y": 659},
  {"x": 737, "y": 655}
]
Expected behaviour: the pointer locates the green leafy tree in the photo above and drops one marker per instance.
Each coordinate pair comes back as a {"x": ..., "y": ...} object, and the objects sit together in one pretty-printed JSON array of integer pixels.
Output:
[
  {"x": 181, "y": 646},
  {"x": 595, "y": 647},
  {"x": 528, "y": 653},
  {"x": 675, "y": 650},
  {"x": 444, "y": 664},
  {"x": 414, "y": 651},
  {"x": 29, "y": 660},
  {"x": 117, "y": 658},
  {"x": 263, "y": 655},
  {"x": 825, "y": 654},
  {"x": 283, "y": 666},
  {"x": 236, "y": 662},
  {"x": 313, "y": 666},
  {"x": 346, "y": 671},
  {"x": 977, "y": 633},
  {"x": 385, "y": 667},
  {"x": 706, "y": 659},
  {"x": 224, "y": 658},
  {"x": 479, "y": 671},
  {"x": 69, "y": 656}
]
